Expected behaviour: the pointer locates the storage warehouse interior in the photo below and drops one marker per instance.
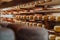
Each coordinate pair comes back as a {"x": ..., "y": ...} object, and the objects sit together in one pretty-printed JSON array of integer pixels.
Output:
[{"x": 29, "y": 19}]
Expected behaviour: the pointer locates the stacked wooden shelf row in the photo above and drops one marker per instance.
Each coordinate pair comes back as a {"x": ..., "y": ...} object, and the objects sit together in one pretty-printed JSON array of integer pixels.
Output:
[
  {"x": 56, "y": 34},
  {"x": 32, "y": 11},
  {"x": 37, "y": 16}
]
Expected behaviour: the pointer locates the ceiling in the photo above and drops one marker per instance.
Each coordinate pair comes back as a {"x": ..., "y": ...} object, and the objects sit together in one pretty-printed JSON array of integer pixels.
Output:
[{"x": 8, "y": 3}]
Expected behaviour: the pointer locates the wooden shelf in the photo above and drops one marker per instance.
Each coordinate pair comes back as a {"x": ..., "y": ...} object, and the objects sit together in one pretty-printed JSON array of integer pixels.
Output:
[
  {"x": 27, "y": 13},
  {"x": 52, "y": 3},
  {"x": 49, "y": 11}
]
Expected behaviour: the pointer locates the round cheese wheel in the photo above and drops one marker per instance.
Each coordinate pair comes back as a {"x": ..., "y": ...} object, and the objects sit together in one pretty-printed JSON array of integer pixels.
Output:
[
  {"x": 58, "y": 19},
  {"x": 57, "y": 28},
  {"x": 57, "y": 38},
  {"x": 31, "y": 17},
  {"x": 52, "y": 37},
  {"x": 34, "y": 17},
  {"x": 27, "y": 17},
  {"x": 24, "y": 17},
  {"x": 27, "y": 23},
  {"x": 30, "y": 24},
  {"x": 39, "y": 25},
  {"x": 52, "y": 18},
  {"x": 35, "y": 24},
  {"x": 45, "y": 17}
]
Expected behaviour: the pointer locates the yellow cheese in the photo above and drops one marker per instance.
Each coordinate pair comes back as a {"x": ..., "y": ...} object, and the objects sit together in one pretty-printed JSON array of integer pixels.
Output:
[
  {"x": 57, "y": 28},
  {"x": 57, "y": 38},
  {"x": 52, "y": 37}
]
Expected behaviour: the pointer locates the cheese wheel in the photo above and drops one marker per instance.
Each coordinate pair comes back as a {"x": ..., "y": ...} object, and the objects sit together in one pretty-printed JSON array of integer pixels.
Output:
[
  {"x": 58, "y": 19},
  {"x": 57, "y": 28},
  {"x": 52, "y": 37},
  {"x": 35, "y": 24},
  {"x": 46, "y": 18},
  {"x": 39, "y": 17},
  {"x": 27, "y": 17},
  {"x": 34, "y": 17},
  {"x": 27, "y": 23},
  {"x": 21, "y": 17},
  {"x": 30, "y": 24},
  {"x": 24, "y": 17},
  {"x": 24, "y": 22},
  {"x": 52, "y": 18},
  {"x": 57, "y": 38},
  {"x": 39, "y": 25},
  {"x": 17, "y": 16},
  {"x": 31, "y": 17}
]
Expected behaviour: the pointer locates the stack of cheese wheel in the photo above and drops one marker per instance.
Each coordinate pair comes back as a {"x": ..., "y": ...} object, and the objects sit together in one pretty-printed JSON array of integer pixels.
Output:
[
  {"x": 39, "y": 17},
  {"x": 57, "y": 30},
  {"x": 52, "y": 37}
]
